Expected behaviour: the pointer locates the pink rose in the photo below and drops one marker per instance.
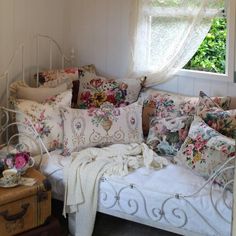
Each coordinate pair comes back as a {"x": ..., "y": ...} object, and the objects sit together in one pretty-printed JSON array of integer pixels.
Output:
[
  {"x": 96, "y": 83},
  {"x": 38, "y": 127},
  {"x": 189, "y": 150},
  {"x": 21, "y": 160}
]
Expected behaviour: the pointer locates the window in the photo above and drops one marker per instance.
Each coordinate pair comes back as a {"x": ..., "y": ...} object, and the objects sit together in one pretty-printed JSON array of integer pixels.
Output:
[
  {"x": 168, "y": 36},
  {"x": 216, "y": 54}
]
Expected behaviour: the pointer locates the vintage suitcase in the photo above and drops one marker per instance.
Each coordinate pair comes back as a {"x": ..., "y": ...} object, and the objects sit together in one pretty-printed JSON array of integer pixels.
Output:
[{"x": 23, "y": 207}]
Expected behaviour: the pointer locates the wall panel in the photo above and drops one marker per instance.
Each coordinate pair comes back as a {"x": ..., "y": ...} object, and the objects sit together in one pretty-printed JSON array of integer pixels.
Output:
[{"x": 101, "y": 36}]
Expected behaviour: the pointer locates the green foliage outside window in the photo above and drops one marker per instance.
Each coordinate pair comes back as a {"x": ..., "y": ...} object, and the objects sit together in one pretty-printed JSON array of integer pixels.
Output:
[{"x": 211, "y": 53}]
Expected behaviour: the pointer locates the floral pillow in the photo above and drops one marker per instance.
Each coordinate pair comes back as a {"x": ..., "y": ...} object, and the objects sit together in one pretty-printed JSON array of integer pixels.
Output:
[
  {"x": 166, "y": 135},
  {"x": 101, "y": 126},
  {"x": 206, "y": 102},
  {"x": 164, "y": 104},
  {"x": 205, "y": 150},
  {"x": 46, "y": 120},
  {"x": 52, "y": 78},
  {"x": 217, "y": 118},
  {"x": 93, "y": 91}
]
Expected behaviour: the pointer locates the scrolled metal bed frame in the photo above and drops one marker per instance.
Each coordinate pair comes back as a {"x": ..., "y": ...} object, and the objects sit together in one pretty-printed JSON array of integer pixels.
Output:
[{"x": 112, "y": 202}]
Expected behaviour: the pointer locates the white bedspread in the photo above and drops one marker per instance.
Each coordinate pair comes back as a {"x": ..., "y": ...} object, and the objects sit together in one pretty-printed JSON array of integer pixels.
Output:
[
  {"x": 155, "y": 187},
  {"x": 82, "y": 175}
]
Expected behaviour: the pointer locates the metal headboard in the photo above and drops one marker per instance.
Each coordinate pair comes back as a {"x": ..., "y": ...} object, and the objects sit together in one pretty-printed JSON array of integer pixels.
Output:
[{"x": 19, "y": 55}]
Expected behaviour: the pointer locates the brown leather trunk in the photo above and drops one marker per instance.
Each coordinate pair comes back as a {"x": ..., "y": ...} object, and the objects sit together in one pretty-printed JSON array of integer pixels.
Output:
[{"x": 23, "y": 207}]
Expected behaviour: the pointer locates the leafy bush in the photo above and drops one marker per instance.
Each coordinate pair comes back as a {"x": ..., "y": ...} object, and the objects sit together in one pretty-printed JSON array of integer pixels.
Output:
[{"x": 211, "y": 53}]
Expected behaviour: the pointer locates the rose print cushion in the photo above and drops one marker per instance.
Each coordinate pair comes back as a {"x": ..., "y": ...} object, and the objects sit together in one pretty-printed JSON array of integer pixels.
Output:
[
  {"x": 93, "y": 91},
  {"x": 217, "y": 118},
  {"x": 51, "y": 78},
  {"x": 205, "y": 150},
  {"x": 166, "y": 135},
  {"x": 165, "y": 104},
  {"x": 206, "y": 102},
  {"x": 101, "y": 126},
  {"x": 45, "y": 118}
]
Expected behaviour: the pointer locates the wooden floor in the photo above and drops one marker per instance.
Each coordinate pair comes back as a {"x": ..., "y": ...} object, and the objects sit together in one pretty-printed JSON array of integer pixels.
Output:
[{"x": 110, "y": 226}]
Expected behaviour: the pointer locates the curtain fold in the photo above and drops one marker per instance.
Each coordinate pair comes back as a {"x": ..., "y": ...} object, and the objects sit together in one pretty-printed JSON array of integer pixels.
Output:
[{"x": 166, "y": 34}]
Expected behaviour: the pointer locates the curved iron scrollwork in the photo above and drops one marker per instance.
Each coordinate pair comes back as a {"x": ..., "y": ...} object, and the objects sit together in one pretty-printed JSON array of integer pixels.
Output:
[
  {"x": 170, "y": 210},
  {"x": 8, "y": 129}
]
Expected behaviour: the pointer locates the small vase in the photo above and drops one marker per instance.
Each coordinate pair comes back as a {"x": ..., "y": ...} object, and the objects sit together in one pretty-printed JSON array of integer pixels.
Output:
[{"x": 106, "y": 124}]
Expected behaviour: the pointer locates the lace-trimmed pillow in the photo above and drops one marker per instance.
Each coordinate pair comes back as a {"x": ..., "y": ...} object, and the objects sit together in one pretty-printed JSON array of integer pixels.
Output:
[
  {"x": 101, "y": 126},
  {"x": 205, "y": 150}
]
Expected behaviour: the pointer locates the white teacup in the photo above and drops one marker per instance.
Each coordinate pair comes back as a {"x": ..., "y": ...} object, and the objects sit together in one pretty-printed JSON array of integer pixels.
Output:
[{"x": 10, "y": 177}]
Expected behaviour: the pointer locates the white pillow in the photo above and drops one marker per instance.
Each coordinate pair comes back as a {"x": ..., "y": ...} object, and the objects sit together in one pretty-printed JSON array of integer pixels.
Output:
[
  {"x": 101, "y": 126},
  {"x": 38, "y": 94}
]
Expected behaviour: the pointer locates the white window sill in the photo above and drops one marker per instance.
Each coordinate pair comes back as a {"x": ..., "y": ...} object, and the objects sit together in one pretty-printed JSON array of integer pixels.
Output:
[{"x": 205, "y": 75}]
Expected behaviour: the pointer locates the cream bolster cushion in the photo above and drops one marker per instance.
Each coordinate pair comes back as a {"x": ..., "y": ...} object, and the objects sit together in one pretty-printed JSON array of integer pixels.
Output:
[
  {"x": 39, "y": 94},
  {"x": 101, "y": 126}
]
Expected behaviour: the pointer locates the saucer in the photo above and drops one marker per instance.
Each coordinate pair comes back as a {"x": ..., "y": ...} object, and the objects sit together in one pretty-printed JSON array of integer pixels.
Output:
[{"x": 7, "y": 185}]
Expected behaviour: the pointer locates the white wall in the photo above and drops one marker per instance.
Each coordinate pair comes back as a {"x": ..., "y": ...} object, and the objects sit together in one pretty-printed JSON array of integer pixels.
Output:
[
  {"x": 97, "y": 29},
  {"x": 20, "y": 20},
  {"x": 100, "y": 31}
]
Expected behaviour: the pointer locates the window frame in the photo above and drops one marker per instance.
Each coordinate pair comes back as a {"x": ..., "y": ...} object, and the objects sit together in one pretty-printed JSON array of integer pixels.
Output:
[{"x": 230, "y": 52}]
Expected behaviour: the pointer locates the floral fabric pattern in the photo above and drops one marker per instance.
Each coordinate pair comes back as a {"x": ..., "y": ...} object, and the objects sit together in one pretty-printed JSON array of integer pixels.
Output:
[
  {"x": 101, "y": 126},
  {"x": 166, "y": 135},
  {"x": 217, "y": 118},
  {"x": 46, "y": 120},
  {"x": 164, "y": 104},
  {"x": 220, "y": 120},
  {"x": 207, "y": 102},
  {"x": 205, "y": 150},
  {"x": 94, "y": 91},
  {"x": 52, "y": 78}
]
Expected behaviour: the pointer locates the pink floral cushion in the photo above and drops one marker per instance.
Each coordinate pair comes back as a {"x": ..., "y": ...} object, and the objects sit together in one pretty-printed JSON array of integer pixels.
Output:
[
  {"x": 205, "y": 150},
  {"x": 220, "y": 120},
  {"x": 51, "y": 78},
  {"x": 166, "y": 135},
  {"x": 164, "y": 104},
  {"x": 46, "y": 120},
  {"x": 93, "y": 91},
  {"x": 101, "y": 126}
]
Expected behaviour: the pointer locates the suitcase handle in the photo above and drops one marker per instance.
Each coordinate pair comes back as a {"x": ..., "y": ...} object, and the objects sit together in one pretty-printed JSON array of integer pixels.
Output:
[{"x": 16, "y": 216}]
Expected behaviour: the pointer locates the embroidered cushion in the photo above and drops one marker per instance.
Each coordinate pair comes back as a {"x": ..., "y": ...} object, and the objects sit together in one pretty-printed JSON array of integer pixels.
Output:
[
  {"x": 166, "y": 135},
  {"x": 220, "y": 120},
  {"x": 205, "y": 150},
  {"x": 93, "y": 91},
  {"x": 101, "y": 126},
  {"x": 165, "y": 104},
  {"x": 46, "y": 120}
]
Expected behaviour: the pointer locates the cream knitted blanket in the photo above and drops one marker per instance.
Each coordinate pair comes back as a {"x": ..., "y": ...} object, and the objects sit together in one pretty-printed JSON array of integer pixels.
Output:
[{"x": 82, "y": 176}]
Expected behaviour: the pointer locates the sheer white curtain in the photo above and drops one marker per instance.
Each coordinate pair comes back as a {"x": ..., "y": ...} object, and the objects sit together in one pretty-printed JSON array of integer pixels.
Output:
[{"x": 166, "y": 34}]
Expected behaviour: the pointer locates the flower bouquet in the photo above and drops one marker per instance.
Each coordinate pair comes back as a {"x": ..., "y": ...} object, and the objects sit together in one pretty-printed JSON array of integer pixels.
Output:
[{"x": 20, "y": 161}]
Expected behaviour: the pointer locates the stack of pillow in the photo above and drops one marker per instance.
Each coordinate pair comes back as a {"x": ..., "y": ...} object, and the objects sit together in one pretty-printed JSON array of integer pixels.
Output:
[
  {"x": 96, "y": 112},
  {"x": 195, "y": 132}
]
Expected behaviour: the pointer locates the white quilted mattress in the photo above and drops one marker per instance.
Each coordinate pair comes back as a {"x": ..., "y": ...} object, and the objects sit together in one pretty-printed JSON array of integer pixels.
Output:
[{"x": 147, "y": 192}]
